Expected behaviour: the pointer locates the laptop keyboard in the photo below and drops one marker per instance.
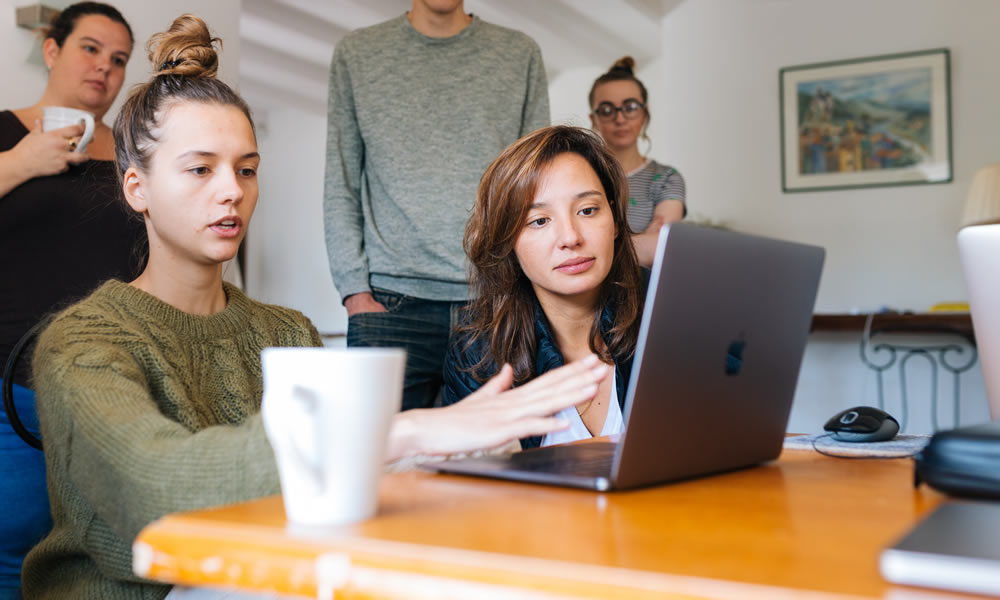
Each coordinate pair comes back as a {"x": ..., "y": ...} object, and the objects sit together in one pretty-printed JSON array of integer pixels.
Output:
[{"x": 588, "y": 460}]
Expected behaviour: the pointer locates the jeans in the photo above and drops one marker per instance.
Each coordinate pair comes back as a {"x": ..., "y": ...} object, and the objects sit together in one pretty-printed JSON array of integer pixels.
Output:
[
  {"x": 26, "y": 520},
  {"x": 421, "y": 327}
]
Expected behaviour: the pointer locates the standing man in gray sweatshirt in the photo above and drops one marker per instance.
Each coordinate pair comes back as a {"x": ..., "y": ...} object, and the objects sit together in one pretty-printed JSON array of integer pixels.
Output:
[{"x": 418, "y": 108}]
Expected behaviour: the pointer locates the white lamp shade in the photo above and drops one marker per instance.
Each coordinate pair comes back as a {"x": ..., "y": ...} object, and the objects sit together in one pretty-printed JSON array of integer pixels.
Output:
[{"x": 982, "y": 206}]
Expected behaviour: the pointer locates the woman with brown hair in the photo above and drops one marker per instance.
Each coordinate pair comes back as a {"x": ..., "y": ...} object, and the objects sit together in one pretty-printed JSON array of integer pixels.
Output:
[
  {"x": 619, "y": 106},
  {"x": 554, "y": 275}
]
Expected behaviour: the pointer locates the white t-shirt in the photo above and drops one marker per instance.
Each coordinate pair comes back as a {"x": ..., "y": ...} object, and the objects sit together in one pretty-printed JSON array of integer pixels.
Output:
[{"x": 613, "y": 422}]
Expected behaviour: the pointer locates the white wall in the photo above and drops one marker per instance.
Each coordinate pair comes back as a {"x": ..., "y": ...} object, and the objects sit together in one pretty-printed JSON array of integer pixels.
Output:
[
  {"x": 22, "y": 67},
  {"x": 568, "y": 94},
  {"x": 714, "y": 94},
  {"x": 714, "y": 97},
  {"x": 714, "y": 105},
  {"x": 286, "y": 252},
  {"x": 24, "y": 74}
]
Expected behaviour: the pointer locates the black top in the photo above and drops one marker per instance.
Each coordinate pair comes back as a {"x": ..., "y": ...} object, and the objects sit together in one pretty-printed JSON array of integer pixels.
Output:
[{"x": 60, "y": 237}]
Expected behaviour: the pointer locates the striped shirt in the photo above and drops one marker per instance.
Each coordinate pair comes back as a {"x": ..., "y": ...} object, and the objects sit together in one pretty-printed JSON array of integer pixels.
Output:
[{"x": 649, "y": 185}]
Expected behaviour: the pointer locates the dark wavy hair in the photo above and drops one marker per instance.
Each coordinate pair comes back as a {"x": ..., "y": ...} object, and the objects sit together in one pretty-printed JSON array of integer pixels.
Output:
[
  {"x": 64, "y": 22},
  {"x": 502, "y": 310}
]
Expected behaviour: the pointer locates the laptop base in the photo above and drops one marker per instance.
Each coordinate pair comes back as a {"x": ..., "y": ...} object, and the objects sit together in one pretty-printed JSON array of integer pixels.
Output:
[{"x": 586, "y": 466}]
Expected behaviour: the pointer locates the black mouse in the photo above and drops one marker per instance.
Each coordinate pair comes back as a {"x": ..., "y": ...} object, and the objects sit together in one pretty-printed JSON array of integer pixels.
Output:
[{"x": 862, "y": 424}]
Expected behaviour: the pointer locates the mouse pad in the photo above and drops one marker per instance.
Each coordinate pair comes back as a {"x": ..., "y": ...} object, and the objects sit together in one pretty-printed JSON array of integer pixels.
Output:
[{"x": 903, "y": 445}]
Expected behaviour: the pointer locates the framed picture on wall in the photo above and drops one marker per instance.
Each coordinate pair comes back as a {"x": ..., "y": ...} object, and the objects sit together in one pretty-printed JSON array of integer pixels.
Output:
[{"x": 875, "y": 121}]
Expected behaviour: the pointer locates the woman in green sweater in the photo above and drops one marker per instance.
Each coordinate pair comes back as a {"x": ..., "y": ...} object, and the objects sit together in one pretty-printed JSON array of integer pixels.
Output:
[{"x": 149, "y": 392}]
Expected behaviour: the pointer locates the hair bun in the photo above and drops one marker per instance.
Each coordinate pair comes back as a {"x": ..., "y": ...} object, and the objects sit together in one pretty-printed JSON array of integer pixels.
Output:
[
  {"x": 187, "y": 48},
  {"x": 625, "y": 63}
]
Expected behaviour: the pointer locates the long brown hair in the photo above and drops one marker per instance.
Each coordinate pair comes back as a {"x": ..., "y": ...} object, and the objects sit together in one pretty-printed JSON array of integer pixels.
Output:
[{"x": 502, "y": 310}]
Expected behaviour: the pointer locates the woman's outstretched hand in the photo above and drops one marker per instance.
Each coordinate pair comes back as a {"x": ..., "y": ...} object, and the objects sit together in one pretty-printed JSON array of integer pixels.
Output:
[{"x": 496, "y": 413}]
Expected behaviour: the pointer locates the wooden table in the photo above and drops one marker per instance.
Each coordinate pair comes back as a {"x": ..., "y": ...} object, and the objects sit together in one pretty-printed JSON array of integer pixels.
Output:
[{"x": 805, "y": 526}]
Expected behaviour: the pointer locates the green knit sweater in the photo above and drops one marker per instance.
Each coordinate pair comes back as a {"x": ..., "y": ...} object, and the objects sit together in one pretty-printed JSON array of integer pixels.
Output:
[{"x": 146, "y": 410}]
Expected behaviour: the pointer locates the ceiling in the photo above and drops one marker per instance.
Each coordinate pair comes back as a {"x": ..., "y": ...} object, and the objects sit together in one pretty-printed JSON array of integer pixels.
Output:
[{"x": 286, "y": 45}]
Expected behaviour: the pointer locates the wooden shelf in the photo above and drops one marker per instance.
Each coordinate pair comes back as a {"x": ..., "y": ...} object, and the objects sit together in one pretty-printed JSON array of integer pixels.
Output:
[{"x": 946, "y": 322}]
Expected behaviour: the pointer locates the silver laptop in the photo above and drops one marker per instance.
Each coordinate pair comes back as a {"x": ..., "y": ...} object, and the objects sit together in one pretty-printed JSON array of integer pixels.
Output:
[
  {"x": 723, "y": 331},
  {"x": 979, "y": 247},
  {"x": 957, "y": 547}
]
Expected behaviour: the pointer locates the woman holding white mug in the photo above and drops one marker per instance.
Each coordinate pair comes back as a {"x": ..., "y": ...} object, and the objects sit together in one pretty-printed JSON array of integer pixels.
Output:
[
  {"x": 85, "y": 50},
  {"x": 61, "y": 233}
]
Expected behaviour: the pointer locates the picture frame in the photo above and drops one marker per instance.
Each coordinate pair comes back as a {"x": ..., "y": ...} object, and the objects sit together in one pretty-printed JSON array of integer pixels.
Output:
[{"x": 866, "y": 122}]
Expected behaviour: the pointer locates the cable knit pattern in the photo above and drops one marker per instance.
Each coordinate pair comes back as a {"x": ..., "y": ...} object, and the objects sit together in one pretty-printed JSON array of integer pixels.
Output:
[{"x": 146, "y": 410}]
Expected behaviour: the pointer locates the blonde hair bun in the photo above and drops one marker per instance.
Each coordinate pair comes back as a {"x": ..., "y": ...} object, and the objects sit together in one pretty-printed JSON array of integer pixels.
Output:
[{"x": 187, "y": 48}]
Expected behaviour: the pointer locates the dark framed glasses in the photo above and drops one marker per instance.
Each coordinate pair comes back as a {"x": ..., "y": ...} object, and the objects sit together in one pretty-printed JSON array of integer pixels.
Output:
[{"x": 630, "y": 109}]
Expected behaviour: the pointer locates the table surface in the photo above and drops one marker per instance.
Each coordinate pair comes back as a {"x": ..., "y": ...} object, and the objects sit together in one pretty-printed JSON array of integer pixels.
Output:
[{"x": 804, "y": 526}]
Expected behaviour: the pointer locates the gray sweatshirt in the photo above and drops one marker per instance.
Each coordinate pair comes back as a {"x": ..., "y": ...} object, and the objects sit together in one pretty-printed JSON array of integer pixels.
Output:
[{"x": 413, "y": 122}]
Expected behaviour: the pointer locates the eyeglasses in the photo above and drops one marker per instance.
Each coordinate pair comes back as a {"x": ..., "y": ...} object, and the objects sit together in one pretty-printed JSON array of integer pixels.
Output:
[{"x": 631, "y": 109}]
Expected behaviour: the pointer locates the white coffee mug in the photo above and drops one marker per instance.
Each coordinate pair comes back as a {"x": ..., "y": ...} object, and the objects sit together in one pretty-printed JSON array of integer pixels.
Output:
[
  {"x": 57, "y": 117},
  {"x": 327, "y": 414}
]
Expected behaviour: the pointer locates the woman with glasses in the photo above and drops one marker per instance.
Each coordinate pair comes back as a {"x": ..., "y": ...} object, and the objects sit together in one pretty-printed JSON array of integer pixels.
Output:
[{"x": 620, "y": 113}]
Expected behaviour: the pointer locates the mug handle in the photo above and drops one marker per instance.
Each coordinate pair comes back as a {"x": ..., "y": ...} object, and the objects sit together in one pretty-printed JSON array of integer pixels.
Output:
[
  {"x": 302, "y": 416},
  {"x": 88, "y": 133}
]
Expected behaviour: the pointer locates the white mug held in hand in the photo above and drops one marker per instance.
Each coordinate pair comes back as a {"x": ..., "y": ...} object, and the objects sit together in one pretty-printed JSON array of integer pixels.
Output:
[
  {"x": 327, "y": 414},
  {"x": 57, "y": 117}
]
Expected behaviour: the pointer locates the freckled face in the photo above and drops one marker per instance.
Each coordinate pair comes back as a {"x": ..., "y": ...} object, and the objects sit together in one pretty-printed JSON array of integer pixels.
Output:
[
  {"x": 201, "y": 189},
  {"x": 566, "y": 246}
]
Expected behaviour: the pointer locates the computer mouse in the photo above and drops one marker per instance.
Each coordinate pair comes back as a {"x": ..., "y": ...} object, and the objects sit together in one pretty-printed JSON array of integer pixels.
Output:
[{"x": 862, "y": 424}]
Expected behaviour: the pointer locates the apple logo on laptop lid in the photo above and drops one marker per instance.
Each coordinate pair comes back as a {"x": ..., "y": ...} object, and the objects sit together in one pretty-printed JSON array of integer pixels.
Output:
[{"x": 734, "y": 355}]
